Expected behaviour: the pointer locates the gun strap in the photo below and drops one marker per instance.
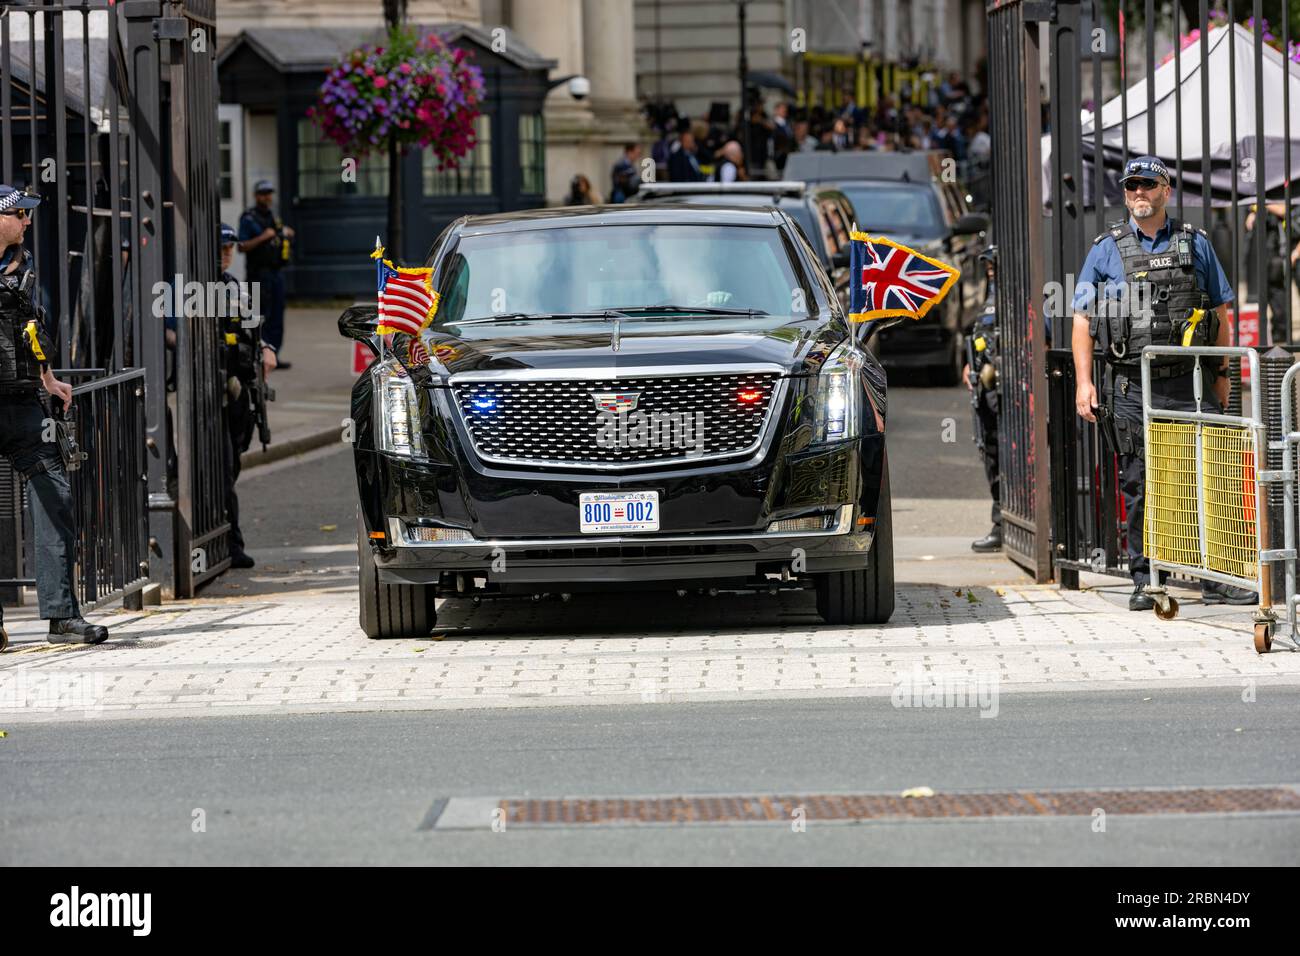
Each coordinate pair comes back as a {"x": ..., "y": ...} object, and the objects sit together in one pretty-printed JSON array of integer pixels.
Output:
[{"x": 42, "y": 465}]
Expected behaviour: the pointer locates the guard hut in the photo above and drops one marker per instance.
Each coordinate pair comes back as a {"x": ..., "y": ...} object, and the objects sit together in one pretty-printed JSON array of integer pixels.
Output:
[{"x": 270, "y": 76}]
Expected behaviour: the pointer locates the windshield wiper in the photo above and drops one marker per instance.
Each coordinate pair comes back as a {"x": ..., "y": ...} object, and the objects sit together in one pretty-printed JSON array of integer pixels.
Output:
[
  {"x": 689, "y": 309},
  {"x": 548, "y": 316}
]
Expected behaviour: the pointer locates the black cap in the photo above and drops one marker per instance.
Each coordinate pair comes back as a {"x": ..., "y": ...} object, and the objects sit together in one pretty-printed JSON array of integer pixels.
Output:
[
  {"x": 1145, "y": 167},
  {"x": 263, "y": 186},
  {"x": 228, "y": 235}
]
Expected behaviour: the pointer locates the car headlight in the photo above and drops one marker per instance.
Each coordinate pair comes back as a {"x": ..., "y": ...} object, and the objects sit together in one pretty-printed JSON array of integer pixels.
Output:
[
  {"x": 397, "y": 408},
  {"x": 836, "y": 400}
]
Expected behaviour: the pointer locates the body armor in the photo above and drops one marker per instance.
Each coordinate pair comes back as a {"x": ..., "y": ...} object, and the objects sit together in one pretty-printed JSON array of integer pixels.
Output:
[
  {"x": 983, "y": 338},
  {"x": 1163, "y": 302},
  {"x": 24, "y": 347}
]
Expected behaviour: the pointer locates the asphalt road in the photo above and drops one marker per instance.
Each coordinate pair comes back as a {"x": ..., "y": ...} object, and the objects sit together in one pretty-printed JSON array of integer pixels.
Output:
[{"x": 355, "y": 788}]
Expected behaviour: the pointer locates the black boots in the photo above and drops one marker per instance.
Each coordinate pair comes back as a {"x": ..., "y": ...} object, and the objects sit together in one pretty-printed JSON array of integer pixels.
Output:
[
  {"x": 990, "y": 542},
  {"x": 76, "y": 630},
  {"x": 4, "y": 638},
  {"x": 1139, "y": 600},
  {"x": 241, "y": 561},
  {"x": 1212, "y": 592}
]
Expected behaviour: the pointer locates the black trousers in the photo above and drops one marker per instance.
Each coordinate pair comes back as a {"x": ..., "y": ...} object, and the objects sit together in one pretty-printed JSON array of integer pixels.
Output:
[
  {"x": 238, "y": 435},
  {"x": 1175, "y": 393},
  {"x": 986, "y": 441},
  {"x": 22, "y": 434},
  {"x": 272, "y": 302}
]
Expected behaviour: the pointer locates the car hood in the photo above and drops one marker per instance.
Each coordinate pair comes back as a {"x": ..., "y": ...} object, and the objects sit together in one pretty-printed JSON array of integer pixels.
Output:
[{"x": 799, "y": 346}]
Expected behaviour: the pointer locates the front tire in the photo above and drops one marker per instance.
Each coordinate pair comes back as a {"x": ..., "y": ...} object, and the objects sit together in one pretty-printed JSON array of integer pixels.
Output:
[
  {"x": 864, "y": 595},
  {"x": 391, "y": 610}
]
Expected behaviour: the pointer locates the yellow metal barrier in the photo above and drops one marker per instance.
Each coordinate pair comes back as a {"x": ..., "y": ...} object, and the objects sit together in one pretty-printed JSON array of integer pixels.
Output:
[
  {"x": 1173, "y": 519},
  {"x": 1228, "y": 469},
  {"x": 1206, "y": 511}
]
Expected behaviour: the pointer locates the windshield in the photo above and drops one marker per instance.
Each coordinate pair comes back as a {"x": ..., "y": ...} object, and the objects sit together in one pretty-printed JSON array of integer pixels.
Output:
[
  {"x": 586, "y": 269},
  {"x": 891, "y": 208}
]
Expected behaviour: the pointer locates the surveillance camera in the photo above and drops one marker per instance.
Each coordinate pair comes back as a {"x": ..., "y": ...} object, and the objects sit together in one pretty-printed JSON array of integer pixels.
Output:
[{"x": 579, "y": 87}]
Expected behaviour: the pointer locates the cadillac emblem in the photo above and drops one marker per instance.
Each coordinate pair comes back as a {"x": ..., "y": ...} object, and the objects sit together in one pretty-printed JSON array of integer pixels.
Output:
[{"x": 617, "y": 402}]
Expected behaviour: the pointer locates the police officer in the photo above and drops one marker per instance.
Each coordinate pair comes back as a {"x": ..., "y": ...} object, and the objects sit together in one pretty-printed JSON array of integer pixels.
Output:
[
  {"x": 265, "y": 239},
  {"x": 981, "y": 376},
  {"x": 25, "y": 356},
  {"x": 244, "y": 347},
  {"x": 1148, "y": 280}
]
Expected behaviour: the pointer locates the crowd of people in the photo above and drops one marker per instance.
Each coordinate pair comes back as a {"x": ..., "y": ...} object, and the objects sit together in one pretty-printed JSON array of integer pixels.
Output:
[{"x": 950, "y": 115}]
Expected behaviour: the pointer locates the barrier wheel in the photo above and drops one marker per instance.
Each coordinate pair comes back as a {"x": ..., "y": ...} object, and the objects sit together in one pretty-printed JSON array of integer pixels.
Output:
[
  {"x": 1166, "y": 608},
  {"x": 1263, "y": 637}
]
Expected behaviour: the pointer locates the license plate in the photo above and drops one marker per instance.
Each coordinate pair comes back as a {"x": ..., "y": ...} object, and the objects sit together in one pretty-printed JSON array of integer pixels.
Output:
[{"x": 601, "y": 512}]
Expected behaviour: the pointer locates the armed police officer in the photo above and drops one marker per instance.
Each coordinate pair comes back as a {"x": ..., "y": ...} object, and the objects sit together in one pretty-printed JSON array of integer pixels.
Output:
[
  {"x": 981, "y": 376},
  {"x": 1149, "y": 280},
  {"x": 25, "y": 436},
  {"x": 247, "y": 362},
  {"x": 265, "y": 240}
]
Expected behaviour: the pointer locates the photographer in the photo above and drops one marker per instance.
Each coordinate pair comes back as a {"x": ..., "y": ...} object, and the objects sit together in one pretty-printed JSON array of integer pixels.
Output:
[{"x": 25, "y": 356}]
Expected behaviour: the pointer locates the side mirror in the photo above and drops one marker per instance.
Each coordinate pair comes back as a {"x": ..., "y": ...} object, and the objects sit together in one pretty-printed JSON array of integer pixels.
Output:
[
  {"x": 358, "y": 322},
  {"x": 970, "y": 224},
  {"x": 840, "y": 260}
]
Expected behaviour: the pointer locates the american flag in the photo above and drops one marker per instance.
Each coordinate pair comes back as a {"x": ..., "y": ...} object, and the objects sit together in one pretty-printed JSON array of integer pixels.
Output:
[
  {"x": 407, "y": 302},
  {"x": 889, "y": 279}
]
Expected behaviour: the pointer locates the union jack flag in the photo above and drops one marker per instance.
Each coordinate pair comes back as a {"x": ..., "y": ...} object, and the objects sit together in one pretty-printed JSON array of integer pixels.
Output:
[
  {"x": 889, "y": 279},
  {"x": 407, "y": 302}
]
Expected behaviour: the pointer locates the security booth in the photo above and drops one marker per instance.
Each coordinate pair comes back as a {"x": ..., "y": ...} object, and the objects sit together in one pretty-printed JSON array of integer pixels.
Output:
[{"x": 270, "y": 76}]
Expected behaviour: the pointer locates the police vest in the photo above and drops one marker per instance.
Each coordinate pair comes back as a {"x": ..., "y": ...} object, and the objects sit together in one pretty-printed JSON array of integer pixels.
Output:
[
  {"x": 1163, "y": 302},
  {"x": 22, "y": 343}
]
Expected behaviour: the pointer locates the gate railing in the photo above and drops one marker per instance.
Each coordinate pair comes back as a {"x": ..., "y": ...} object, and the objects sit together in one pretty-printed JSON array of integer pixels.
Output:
[
  {"x": 109, "y": 111},
  {"x": 108, "y": 492},
  {"x": 1018, "y": 229}
]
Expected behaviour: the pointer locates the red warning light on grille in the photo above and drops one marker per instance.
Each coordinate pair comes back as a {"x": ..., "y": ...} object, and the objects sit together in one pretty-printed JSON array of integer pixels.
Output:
[{"x": 748, "y": 396}]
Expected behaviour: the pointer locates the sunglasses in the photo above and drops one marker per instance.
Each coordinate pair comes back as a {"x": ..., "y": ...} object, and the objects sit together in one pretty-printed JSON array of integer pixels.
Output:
[
  {"x": 20, "y": 213},
  {"x": 1133, "y": 185}
]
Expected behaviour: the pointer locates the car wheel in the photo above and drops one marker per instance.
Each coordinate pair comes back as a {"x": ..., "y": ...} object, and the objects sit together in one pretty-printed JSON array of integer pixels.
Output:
[
  {"x": 391, "y": 610},
  {"x": 865, "y": 595}
]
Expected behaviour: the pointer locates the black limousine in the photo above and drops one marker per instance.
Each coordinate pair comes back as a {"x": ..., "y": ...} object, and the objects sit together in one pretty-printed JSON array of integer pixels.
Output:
[{"x": 637, "y": 398}]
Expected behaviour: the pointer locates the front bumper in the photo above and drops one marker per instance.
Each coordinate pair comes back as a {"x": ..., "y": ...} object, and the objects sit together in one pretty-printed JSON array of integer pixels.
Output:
[{"x": 623, "y": 559}]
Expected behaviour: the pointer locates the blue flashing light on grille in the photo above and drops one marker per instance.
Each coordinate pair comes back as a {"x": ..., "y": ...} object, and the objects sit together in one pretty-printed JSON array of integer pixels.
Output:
[{"x": 485, "y": 403}]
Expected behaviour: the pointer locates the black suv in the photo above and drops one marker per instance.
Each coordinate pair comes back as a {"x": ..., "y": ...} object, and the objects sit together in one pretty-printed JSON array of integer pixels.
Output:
[{"x": 643, "y": 398}]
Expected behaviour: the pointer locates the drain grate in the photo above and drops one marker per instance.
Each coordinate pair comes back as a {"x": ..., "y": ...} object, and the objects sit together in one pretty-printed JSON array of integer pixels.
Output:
[{"x": 472, "y": 813}]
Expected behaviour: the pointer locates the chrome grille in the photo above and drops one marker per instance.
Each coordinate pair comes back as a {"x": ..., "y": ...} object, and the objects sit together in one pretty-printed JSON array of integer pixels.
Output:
[{"x": 681, "y": 418}]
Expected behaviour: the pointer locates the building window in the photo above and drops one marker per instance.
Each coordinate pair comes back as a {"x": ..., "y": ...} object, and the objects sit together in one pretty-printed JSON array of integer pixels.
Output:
[
  {"x": 227, "y": 184},
  {"x": 532, "y": 163},
  {"x": 321, "y": 171},
  {"x": 473, "y": 177}
]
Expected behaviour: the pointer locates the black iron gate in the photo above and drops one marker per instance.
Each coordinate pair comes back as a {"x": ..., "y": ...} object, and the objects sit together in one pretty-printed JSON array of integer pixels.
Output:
[
  {"x": 1018, "y": 227},
  {"x": 1223, "y": 165},
  {"x": 109, "y": 110}
]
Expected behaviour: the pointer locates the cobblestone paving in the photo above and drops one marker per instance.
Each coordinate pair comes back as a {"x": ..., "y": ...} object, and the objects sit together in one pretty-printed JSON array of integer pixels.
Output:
[{"x": 305, "y": 653}]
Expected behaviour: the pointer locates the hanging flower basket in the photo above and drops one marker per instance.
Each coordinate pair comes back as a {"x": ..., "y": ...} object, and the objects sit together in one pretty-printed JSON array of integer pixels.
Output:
[{"x": 413, "y": 92}]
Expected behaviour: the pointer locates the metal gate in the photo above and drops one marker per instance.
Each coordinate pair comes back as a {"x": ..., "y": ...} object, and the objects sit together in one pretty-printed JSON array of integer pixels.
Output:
[
  {"x": 108, "y": 110},
  {"x": 1018, "y": 227},
  {"x": 1223, "y": 163}
]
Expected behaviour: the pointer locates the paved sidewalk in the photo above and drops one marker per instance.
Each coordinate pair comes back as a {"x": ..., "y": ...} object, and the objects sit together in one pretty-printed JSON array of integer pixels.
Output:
[
  {"x": 313, "y": 397},
  {"x": 304, "y": 653}
]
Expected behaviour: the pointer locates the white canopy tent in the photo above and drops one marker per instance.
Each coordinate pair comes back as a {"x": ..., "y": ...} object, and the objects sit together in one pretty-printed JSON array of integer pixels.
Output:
[{"x": 1177, "y": 89}]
